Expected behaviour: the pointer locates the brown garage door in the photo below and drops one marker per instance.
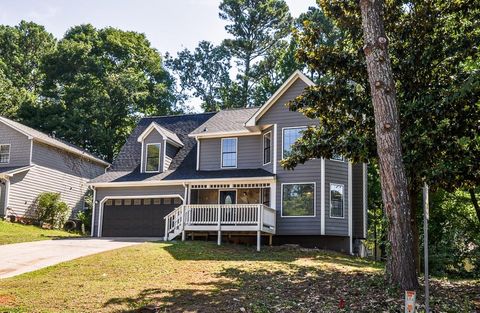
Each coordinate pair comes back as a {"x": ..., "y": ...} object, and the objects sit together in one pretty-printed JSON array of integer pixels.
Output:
[{"x": 136, "y": 217}]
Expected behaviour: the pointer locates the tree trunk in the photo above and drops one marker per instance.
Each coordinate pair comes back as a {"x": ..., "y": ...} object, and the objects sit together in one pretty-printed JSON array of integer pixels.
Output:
[
  {"x": 415, "y": 232},
  {"x": 246, "y": 79},
  {"x": 475, "y": 202},
  {"x": 400, "y": 263}
]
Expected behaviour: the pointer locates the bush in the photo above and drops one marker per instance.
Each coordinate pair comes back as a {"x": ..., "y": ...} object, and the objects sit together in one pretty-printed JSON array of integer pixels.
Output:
[
  {"x": 49, "y": 209},
  {"x": 85, "y": 217}
]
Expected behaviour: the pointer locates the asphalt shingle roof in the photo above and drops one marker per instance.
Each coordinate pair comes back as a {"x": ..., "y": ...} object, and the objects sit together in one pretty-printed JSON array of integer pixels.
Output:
[
  {"x": 126, "y": 167},
  {"x": 38, "y": 135},
  {"x": 226, "y": 121}
]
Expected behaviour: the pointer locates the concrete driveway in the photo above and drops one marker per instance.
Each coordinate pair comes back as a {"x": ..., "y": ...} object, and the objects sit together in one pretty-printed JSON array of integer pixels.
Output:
[{"x": 19, "y": 258}]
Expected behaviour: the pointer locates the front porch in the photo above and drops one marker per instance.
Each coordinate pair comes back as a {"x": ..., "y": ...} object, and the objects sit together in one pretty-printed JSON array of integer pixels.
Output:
[{"x": 224, "y": 208}]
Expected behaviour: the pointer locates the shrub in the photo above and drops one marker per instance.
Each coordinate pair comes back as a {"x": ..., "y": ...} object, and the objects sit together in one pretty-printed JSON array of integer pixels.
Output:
[
  {"x": 49, "y": 209},
  {"x": 85, "y": 217}
]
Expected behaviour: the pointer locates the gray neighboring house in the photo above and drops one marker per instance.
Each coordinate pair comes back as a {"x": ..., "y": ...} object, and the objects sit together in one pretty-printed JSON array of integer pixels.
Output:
[
  {"x": 32, "y": 162},
  {"x": 219, "y": 174}
]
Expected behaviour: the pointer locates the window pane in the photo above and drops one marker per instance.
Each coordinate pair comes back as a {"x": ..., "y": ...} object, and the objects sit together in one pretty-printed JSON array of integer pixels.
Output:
[
  {"x": 336, "y": 200},
  {"x": 290, "y": 135},
  {"x": 229, "y": 152},
  {"x": 4, "y": 153},
  {"x": 266, "y": 148},
  {"x": 298, "y": 200},
  {"x": 153, "y": 158}
]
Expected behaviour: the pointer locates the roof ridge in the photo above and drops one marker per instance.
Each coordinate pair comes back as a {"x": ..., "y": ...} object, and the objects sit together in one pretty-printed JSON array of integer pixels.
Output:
[{"x": 178, "y": 115}]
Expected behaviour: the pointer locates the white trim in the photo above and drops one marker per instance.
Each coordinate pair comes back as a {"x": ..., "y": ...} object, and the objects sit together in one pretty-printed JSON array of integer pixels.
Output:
[
  {"x": 280, "y": 91},
  {"x": 15, "y": 171},
  {"x": 180, "y": 182},
  {"x": 236, "y": 153},
  {"x": 263, "y": 145},
  {"x": 350, "y": 204},
  {"x": 236, "y": 133},
  {"x": 165, "y": 133},
  {"x": 105, "y": 199},
  {"x": 31, "y": 152},
  {"x": 273, "y": 195},
  {"x": 314, "y": 199},
  {"x": 164, "y": 155},
  {"x": 283, "y": 133},
  {"x": 198, "y": 153},
  {"x": 9, "y": 152},
  {"x": 322, "y": 196},
  {"x": 343, "y": 198},
  {"x": 142, "y": 165},
  {"x": 365, "y": 199},
  {"x": 275, "y": 147},
  {"x": 94, "y": 204},
  {"x": 159, "y": 157}
]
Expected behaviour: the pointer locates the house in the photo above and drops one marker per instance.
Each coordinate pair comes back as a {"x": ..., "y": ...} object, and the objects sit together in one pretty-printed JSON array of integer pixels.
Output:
[
  {"x": 220, "y": 174},
  {"x": 32, "y": 162}
]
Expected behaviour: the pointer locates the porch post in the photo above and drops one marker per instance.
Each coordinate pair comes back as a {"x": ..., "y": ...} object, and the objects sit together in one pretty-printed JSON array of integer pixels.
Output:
[
  {"x": 219, "y": 235},
  {"x": 183, "y": 222},
  {"x": 260, "y": 223}
]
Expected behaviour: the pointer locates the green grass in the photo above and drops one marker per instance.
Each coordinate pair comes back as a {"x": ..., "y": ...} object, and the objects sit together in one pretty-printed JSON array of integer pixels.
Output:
[
  {"x": 202, "y": 277},
  {"x": 14, "y": 233}
]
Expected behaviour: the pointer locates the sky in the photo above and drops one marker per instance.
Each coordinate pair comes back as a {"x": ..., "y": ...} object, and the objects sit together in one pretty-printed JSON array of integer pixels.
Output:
[{"x": 170, "y": 25}]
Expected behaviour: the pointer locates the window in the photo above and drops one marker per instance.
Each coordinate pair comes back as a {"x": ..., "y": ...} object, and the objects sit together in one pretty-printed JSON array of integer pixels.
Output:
[
  {"x": 4, "y": 154},
  {"x": 336, "y": 200},
  {"x": 290, "y": 135},
  {"x": 229, "y": 152},
  {"x": 153, "y": 157},
  {"x": 267, "y": 143},
  {"x": 338, "y": 157},
  {"x": 298, "y": 199}
]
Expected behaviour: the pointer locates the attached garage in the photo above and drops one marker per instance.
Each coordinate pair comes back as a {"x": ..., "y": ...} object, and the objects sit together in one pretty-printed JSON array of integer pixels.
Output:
[{"x": 136, "y": 217}]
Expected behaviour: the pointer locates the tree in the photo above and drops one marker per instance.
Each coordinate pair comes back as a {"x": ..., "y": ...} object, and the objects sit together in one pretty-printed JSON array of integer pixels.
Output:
[
  {"x": 205, "y": 73},
  {"x": 98, "y": 83},
  {"x": 257, "y": 27},
  {"x": 401, "y": 264},
  {"x": 22, "y": 50},
  {"x": 432, "y": 49}
]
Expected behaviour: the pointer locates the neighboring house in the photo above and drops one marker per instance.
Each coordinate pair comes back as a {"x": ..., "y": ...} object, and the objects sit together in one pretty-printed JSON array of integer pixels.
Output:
[
  {"x": 32, "y": 162},
  {"x": 220, "y": 173}
]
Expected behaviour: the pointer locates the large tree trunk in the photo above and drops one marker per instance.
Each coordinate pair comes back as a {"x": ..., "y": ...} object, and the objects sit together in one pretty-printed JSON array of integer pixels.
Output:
[{"x": 400, "y": 263}]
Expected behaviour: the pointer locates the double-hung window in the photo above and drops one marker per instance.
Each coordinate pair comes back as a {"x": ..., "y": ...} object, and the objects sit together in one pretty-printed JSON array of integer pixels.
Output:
[
  {"x": 337, "y": 200},
  {"x": 290, "y": 136},
  {"x": 229, "y": 152},
  {"x": 267, "y": 150},
  {"x": 298, "y": 199},
  {"x": 4, "y": 154},
  {"x": 153, "y": 158}
]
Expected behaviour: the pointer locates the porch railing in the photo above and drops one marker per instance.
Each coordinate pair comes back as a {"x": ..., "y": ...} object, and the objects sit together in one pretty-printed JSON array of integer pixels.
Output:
[{"x": 214, "y": 217}]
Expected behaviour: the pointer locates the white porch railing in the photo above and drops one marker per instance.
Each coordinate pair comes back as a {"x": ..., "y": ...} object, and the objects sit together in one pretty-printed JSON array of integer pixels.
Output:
[{"x": 220, "y": 217}]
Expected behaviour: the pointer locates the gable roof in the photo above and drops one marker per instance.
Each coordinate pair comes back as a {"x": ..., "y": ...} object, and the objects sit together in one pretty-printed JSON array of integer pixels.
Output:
[
  {"x": 225, "y": 122},
  {"x": 252, "y": 121},
  {"x": 166, "y": 134},
  {"x": 46, "y": 139}
]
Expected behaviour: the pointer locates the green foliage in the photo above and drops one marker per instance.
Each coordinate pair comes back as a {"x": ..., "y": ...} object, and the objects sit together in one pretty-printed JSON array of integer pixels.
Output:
[
  {"x": 438, "y": 94},
  {"x": 257, "y": 28},
  {"x": 97, "y": 83},
  {"x": 49, "y": 209},
  {"x": 454, "y": 235},
  {"x": 205, "y": 73}
]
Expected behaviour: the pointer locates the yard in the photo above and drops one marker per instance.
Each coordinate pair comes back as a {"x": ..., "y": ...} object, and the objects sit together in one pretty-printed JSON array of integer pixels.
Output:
[
  {"x": 14, "y": 233},
  {"x": 201, "y": 277}
]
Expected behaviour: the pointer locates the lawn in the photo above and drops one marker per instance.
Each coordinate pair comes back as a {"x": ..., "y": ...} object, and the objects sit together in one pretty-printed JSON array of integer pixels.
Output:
[
  {"x": 201, "y": 277},
  {"x": 14, "y": 233}
]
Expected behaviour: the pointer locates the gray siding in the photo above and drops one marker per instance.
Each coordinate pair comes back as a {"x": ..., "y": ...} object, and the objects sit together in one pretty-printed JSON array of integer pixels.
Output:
[
  {"x": 357, "y": 198},
  {"x": 55, "y": 171},
  {"x": 19, "y": 146},
  {"x": 126, "y": 192},
  {"x": 249, "y": 153},
  {"x": 170, "y": 153},
  {"x": 336, "y": 172},
  {"x": 153, "y": 137}
]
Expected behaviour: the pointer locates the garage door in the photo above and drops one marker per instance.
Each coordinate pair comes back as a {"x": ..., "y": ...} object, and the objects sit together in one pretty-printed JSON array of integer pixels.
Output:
[{"x": 136, "y": 217}]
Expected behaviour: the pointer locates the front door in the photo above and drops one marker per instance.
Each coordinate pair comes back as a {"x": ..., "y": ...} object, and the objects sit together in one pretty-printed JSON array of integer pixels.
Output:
[{"x": 228, "y": 197}]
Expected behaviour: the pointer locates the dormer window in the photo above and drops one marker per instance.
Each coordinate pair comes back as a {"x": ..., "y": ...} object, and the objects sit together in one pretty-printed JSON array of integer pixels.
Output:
[
  {"x": 153, "y": 158},
  {"x": 4, "y": 154}
]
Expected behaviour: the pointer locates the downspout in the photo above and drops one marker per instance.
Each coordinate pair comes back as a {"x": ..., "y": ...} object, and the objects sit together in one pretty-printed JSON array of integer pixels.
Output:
[{"x": 94, "y": 204}]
